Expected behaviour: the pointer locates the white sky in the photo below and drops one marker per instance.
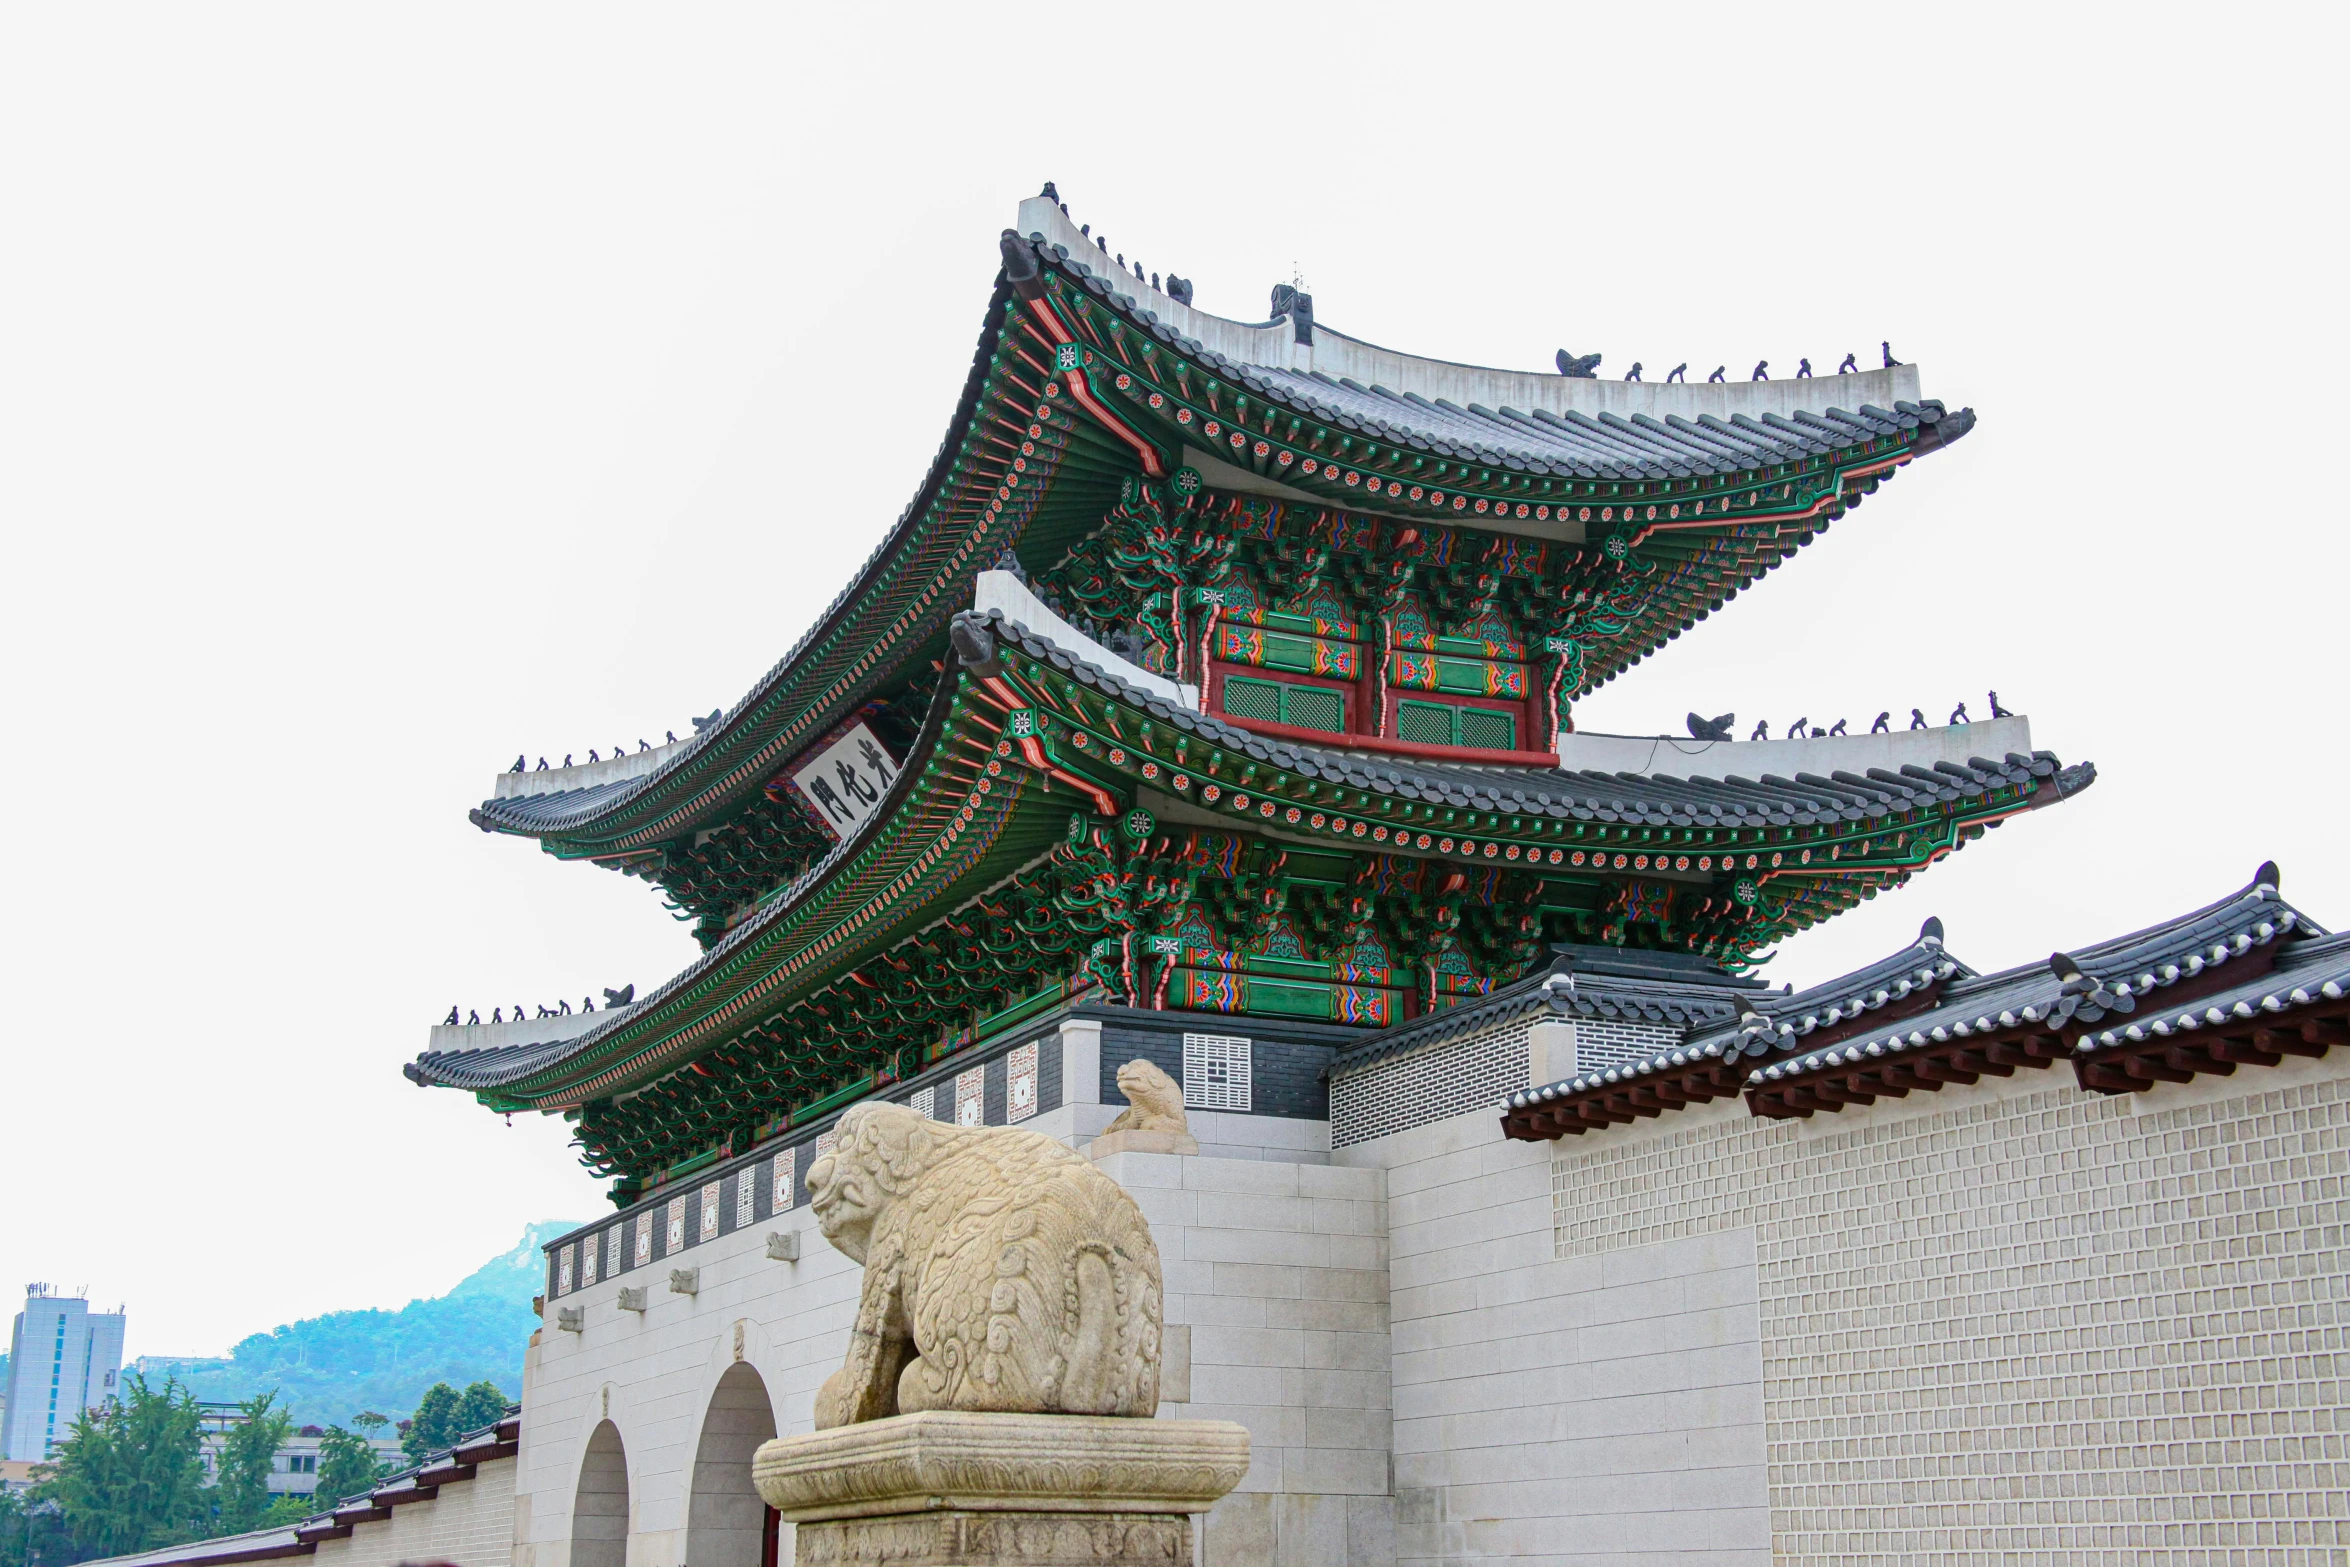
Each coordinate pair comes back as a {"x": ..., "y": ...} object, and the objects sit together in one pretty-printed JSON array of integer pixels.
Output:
[{"x": 387, "y": 390}]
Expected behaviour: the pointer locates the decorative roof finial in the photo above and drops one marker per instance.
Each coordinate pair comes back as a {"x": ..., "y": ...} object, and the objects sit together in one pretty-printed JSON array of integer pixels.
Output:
[
  {"x": 1578, "y": 367},
  {"x": 1559, "y": 992},
  {"x": 1712, "y": 728}
]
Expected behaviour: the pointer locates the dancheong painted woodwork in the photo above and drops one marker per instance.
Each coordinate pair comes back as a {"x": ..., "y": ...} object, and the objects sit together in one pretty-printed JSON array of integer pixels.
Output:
[{"x": 1281, "y": 740}]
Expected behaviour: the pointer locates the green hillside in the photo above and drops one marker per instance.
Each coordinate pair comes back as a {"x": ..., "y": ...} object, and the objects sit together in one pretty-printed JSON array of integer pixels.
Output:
[{"x": 328, "y": 1368}]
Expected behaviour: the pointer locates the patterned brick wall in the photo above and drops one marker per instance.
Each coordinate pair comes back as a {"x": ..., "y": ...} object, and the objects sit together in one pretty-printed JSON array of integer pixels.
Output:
[
  {"x": 2046, "y": 1328},
  {"x": 471, "y": 1523},
  {"x": 1459, "y": 1075},
  {"x": 1605, "y": 1041}
]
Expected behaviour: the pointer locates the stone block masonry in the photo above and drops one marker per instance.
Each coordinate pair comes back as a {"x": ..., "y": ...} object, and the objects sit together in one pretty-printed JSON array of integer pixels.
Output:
[
  {"x": 1548, "y": 1410},
  {"x": 1277, "y": 1276},
  {"x": 2028, "y": 1326}
]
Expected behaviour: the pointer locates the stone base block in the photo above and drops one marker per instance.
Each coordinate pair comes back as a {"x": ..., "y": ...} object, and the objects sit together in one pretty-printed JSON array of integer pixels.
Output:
[
  {"x": 1132, "y": 1140},
  {"x": 957, "y": 1538},
  {"x": 951, "y": 1489}
]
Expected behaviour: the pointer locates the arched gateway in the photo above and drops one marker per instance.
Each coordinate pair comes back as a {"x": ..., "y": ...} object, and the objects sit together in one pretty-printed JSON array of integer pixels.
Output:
[
  {"x": 727, "y": 1525},
  {"x": 599, "y": 1509}
]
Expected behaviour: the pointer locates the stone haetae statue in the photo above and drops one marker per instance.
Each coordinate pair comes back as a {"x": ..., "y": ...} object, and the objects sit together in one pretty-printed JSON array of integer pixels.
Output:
[
  {"x": 1002, "y": 1272},
  {"x": 1008, "y": 1327},
  {"x": 1153, "y": 1121}
]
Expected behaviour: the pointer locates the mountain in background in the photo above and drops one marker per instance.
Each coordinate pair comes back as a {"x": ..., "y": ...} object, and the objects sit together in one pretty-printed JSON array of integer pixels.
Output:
[{"x": 326, "y": 1369}]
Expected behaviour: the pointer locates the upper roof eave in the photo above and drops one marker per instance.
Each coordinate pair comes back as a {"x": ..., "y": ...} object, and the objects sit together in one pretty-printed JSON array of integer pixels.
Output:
[{"x": 717, "y": 767}]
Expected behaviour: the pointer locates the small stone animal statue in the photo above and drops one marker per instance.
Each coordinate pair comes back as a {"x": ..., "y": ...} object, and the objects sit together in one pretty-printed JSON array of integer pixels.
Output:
[
  {"x": 1003, "y": 1273},
  {"x": 1154, "y": 1120},
  {"x": 1154, "y": 1101}
]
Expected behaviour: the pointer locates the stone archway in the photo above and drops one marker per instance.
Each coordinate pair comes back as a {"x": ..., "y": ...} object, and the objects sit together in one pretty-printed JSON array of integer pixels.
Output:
[
  {"x": 599, "y": 1508},
  {"x": 727, "y": 1524}
]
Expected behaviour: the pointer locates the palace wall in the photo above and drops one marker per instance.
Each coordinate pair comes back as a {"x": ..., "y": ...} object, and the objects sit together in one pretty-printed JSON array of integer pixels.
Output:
[
  {"x": 470, "y": 1523},
  {"x": 2015, "y": 1322},
  {"x": 2010, "y": 1322}
]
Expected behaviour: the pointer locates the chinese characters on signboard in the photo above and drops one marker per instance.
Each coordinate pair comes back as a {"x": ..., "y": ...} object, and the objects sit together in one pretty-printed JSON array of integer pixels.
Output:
[{"x": 847, "y": 779}]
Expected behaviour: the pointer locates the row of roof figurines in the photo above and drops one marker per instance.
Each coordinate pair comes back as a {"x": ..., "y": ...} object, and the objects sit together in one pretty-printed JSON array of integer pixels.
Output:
[
  {"x": 1290, "y": 299},
  {"x": 622, "y": 997},
  {"x": 1805, "y": 729}
]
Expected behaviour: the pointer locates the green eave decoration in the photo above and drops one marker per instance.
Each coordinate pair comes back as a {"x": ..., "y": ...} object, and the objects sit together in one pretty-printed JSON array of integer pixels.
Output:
[{"x": 1216, "y": 881}]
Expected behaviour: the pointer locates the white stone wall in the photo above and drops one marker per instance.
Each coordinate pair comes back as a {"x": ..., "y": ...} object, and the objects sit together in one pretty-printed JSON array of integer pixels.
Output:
[
  {"x": 1589, "y": 1410},
  {"x": 1276, "y": 1279},
  {"x": 470, "y": 1523}
]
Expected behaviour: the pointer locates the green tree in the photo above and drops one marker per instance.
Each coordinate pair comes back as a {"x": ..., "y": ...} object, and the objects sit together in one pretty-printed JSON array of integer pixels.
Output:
[
  {"x": 14, "y": 1524},
  {"x": 369, "y": 1422},
  {"x": 129, "y": 1476},
  {"x": 248, "y": 1457},
  {"x": 434, "y": 1424},
  {"x": 347, "y": 1467},
  {"x": 482, "y": 1404}
]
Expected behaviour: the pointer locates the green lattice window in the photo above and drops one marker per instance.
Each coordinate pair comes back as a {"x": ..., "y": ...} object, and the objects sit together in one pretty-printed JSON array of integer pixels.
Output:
[
  {"x": 1440, "y": 723},
  {"x": 1274, "y": 701}
]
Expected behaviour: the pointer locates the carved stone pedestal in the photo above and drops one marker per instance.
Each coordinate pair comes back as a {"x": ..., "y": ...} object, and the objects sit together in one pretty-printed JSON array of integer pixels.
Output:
[
  {"x": 950, "y": 1489},
  {"x": 1141, "y": 1141}
]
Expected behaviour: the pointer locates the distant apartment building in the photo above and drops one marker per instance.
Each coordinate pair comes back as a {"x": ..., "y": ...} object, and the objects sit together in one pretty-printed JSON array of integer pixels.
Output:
[
  {"x": 63, "y": 1358},
  {"x": 294, "y": 1472}
]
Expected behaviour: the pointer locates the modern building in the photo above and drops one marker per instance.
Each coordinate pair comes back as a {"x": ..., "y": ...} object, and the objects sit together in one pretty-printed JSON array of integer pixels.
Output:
[
  {"x": 1212, "y": 704},
  {"x": 63, "y": 1358},
  {"x": 294, "y": 1472}
]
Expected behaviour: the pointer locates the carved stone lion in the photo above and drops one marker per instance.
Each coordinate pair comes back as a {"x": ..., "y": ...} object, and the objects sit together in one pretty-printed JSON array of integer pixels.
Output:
[{"x": 1002, "y": 1273}]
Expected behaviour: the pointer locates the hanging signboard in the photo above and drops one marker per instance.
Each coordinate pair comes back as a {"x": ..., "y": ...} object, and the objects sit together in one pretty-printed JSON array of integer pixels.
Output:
[{"x": 846, "y": 780}]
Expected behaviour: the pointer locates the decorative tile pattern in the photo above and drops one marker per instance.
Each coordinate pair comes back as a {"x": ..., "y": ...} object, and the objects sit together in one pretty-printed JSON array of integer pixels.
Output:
[
  {"x": 613, "y": 1240},
  {"x": 1435, "y": 1084},
  {"x": 971, "y": 1097},
  {"x": 1473, "y": 1073},
  {"x": 1020, "y": 1082},
  {"x": 674, "y": 1241},
  {"x": 787, "y": 1181},
  {"x": 644, "y": 1239},
  {"x": 2047, "y": 1328},
  {"x": 711, "y": 1195},
  {"x": 925, "y": 1102},
  {"x": 1216, "y": 1072},
  {"x": 587, "y": 1262},
  {"x": 746, "y": 1195},
  {"x": 563, "y": 1262},
  {"x": 824, "y": 1144}
]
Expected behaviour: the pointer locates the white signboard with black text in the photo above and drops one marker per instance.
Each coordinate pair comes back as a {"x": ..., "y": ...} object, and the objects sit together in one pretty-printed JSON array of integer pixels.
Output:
[{"x": 846, "y": 780}]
